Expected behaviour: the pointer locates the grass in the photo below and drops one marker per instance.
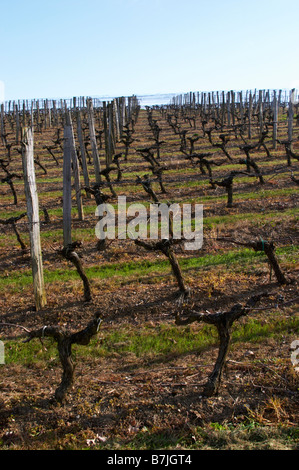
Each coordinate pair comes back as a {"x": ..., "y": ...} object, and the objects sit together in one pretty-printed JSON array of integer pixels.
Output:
[
  {"x": 56, "y": 234},
  {"x": 229, "y": 219},
  {"x": 214, "y": 436},
  {"x": 33, "y": 353},
  {"x": 257, "y": 193},
  {"x": 88, "y": 234},
  {"x": 162, "y": 341},
  {"x": 144, "y": 342},
  {"x": 159, "y": 343},
  {"x": 254, "y": 331},
  {"x": 130, "y": 269}
]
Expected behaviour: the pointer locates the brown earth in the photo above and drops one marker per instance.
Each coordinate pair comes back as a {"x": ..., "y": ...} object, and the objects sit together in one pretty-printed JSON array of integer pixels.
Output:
[{"x": 152, "y": 400}]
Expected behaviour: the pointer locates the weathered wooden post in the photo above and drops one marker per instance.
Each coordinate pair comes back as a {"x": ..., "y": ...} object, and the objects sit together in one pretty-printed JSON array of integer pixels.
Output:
[
  {"x": 116, "y": 114},
  {"x": 233, "y": 106},
  {"x": 67, "y": 186},
  {"x": 241, "y": 107},
  {"x": 105, "y": 125},
  {"x": 24, "y": 114},
  {"x": 69, "y": 152},
  {"x": 260, "y": 111},
  {"x": 120, "y": 117},
  {"x": 31, "y": 112},
  {"x": 55, "y": 119},
  {"x": 223, "y": 110},
  {"x": 291, "y": 117},
  {"x": 124, "y": 111},
  {"x": 17, "y": 123},
  {"x": 249, "y": 115},
  {"x": 50, "y": 117},
  {"x": 93, "y": 142},
  {"x": 46, "y": 113},
  {"x": 68, "y": 251},
  {"x": 83, "y": 152},
  {"x": 33, "y": 219},
  {"x": 37, "y": 115},
  {"x": 111, "y": 137},
  {"x": 275, "y": 120},
  {"x": 76, "y": 169},
  {"x": 228, "y": 108},
  {"x": 108, "y": 132},
  {"x": 2, "y": 124}
]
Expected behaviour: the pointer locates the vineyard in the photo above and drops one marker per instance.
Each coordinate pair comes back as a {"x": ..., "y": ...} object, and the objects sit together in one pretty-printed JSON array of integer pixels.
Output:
[{"x": 133, "y": 343}]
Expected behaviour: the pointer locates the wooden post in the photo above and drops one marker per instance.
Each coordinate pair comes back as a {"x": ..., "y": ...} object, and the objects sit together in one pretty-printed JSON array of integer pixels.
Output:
[
  {"x": 279, "y": 98},
  {"x": 228, "y": 108},
  {"x": 83, "y": 153},
  {"x": 110, "y": 135},
  {"x": 232, "y": 93},
  {"x": 204, "y": 102},
  {"x": 261, "y": 123},
  {"x": 31, "y": 113},
  {"x": 291, "y": 117},
  {"x": 50, "y": 117},
  {"x": 241, "y": 107},
  {"x": 33, "y": 218},
  {"x": 37, "y": 115},
  {"x": 76, "y": 169},
  {"x": 249, "y": 115},
  {"x": 129, "y": 109},
  {"x": 124, "y": 114},
  {"x": 116, "y": 114},
  {"x": 2, "y": 124},
  {"x": 24, "y": 115},
  {"x": 55, "y": 113},
  {"x": 93, "y": 142},
  {"x": 17, "y": 124},
  {"x": 67, "y": 188},
  {"x": 46, "y": 113},
  {"x": 223, "y": 111},
  {"x": 120, "y": 121},
  {"x": 217, "y": 107},
  {"x": 105, "y": 124},
  {"x": 275, "y": 120}
]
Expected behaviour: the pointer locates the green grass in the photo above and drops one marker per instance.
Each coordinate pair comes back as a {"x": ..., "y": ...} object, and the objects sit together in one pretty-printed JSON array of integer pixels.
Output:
[
  {"x": 140, "y": 268},
  {"x": 255, "y": 331},
  {"x": 56, "y": 234},
  {"x": 202, "y": 182},
  {"x": 122, "y": 269},
  {"x": 250, "y": 435},
  {"x": 16, "y": 352},
  {"x": 257, "y": 193},
  {"x": 228, "y": 219},
  {"x": 150, "y": 342},
  {"x": 161, "y": 341}
]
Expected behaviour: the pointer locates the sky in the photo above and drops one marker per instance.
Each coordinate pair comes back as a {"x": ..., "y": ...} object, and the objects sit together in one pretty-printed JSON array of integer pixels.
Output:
[{"x": 65, "y": 48}]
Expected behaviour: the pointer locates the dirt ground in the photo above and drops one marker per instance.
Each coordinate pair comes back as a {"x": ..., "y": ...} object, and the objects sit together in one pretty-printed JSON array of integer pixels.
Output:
[
  {"x": 116, "y": 398},
  {"x": 129, "y": 401}
]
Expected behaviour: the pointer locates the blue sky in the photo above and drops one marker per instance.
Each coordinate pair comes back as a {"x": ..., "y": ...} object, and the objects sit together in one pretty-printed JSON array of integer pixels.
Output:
[{"x": 65, "y": 48}]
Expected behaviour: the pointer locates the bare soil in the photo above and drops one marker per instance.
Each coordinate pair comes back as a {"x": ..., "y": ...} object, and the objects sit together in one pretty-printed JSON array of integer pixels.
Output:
[{"x": 153, "y": 402}]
